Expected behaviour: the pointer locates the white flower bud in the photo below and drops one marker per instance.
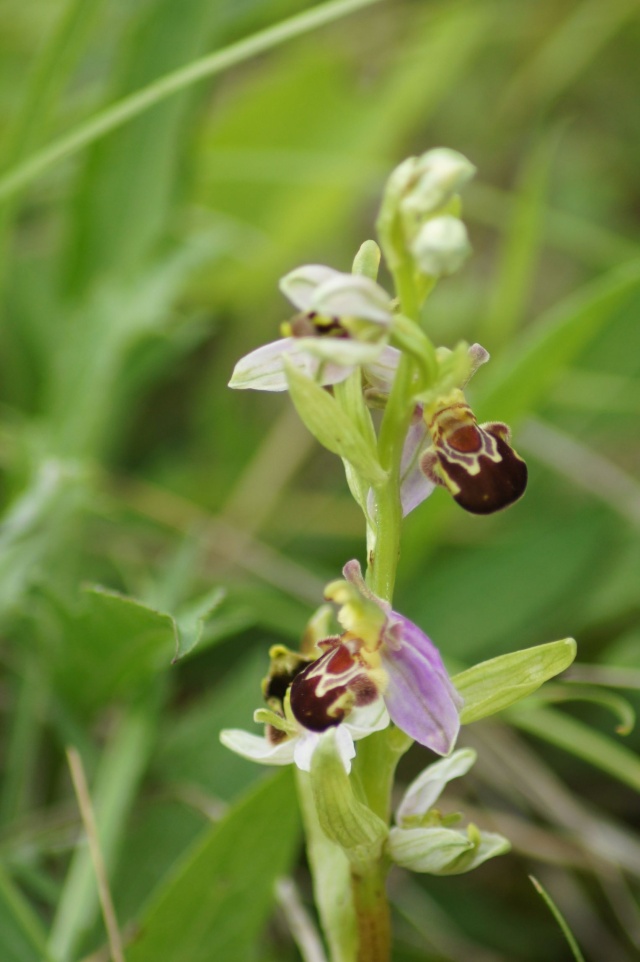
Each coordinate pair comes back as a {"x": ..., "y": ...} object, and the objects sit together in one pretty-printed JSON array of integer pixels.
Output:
[
  {"x": 441, "y": 246},
  {"x": 443, "y": 851},
  {"x": 436, "y": 177}
]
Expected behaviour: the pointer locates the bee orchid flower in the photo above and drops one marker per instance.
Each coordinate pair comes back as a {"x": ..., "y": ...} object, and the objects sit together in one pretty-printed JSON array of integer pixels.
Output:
[
  {"x": 287, "y": 739},
  {"x": 344, "y": 321},
  {"x": 380, "y": 653}
]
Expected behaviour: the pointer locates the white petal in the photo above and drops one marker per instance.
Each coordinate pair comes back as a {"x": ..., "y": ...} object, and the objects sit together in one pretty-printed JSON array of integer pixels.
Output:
[
  {"x": 256, "y": 747},
  {"x": 425, "y": 790},
  {"x": 300, "y": 284},
  {"x": 263, "y": 369}
]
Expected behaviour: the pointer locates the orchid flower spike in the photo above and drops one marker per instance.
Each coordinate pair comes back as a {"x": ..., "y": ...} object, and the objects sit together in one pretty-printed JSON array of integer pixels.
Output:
[
  {"x": 344, "y": 321},
  {"x": 381, "y": 653}
]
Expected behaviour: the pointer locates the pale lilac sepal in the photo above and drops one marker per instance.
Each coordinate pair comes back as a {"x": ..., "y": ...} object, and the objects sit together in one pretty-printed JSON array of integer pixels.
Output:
[
  {"x": 420, "y": 697},
  {"x": 263, "y": 369},
  {"x": 381, "y": 372},
  {"x": 415, "y": 486},
  {"x": 300, "y": 285},
  {"x": 352, "y": 295},
  {"x": 341, "y": 351},
  {"x": 479, "y": 356},
  {"x": 332, "y": 293}
]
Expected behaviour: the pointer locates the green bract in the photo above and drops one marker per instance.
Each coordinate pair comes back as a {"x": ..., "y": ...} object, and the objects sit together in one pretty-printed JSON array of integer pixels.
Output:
[
  {"x": 334, "y": 429},
  {"x": 343, "y": 819},
  {"x": 495, "y": 684}
]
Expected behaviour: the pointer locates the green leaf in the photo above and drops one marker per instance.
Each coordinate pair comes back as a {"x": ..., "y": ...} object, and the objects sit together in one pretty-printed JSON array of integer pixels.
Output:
[
  {"x": 538, "y": 563},
  {"x": 110, "y": 648},
  {"x": 189, "y": 753},
  {"x": 217, "y": 900},
  {"x": 112, "y": 645},
  {"x": 520, "y": 246},
  {"x": 192, "y": 620},
  {"x": 127, "y": 183},
  {"x": 580, "y": 740},
  {"x": 527, "y": 372},
  {"x": 119, "y": 113},
  {"x": 326, "y": 420},
  {"x": 331, "y": 874},
  {"x": 21, "y": 936},
  {"x": 493, "y": 685}
]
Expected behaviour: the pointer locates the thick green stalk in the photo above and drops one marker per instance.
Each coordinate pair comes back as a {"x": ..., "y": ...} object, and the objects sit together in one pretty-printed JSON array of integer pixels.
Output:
[
  {"x": 372, "y": 913},
  {"x": 383, "y": 560}
]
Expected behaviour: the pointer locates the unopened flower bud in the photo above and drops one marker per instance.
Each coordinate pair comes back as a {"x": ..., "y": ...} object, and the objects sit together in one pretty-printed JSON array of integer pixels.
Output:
[
  {"x": 441, "y": 246},
  {"x": 435, "y": 178}
]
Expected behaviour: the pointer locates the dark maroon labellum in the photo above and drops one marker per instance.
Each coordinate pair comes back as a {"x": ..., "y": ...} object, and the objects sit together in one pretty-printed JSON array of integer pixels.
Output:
[
  {"x": 474, "y": 462},
  {"x": 324, "y": 693}
]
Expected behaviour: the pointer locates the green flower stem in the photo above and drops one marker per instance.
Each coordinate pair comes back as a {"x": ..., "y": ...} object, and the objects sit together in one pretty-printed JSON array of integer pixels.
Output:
[
  {"x": 372, "y": 913},
  {"x": 406, "y": 290},
  {"x": 375, "y": 766},
  {"x": 378, "y": 755},
  {"x": 383, "y": 560}
]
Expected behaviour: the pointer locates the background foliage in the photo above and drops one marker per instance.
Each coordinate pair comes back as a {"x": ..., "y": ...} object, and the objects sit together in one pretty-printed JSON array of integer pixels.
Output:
[{"x": 134, "y": 273}]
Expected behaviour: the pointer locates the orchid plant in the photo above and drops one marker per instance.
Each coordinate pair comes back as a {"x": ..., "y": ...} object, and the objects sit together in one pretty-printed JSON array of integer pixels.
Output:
[{"x": 371, "y": 386}]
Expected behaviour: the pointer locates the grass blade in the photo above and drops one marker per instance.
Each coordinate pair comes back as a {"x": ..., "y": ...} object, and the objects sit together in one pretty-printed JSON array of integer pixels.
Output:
[
  {"x": 555, "y": 911},
  {"x": 127, "y": 108},
  {"x": 581, "y": 741}
]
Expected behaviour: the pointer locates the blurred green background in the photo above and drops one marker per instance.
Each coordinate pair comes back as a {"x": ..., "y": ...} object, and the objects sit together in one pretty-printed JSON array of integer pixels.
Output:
[{"x": 134, "y": 273}]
